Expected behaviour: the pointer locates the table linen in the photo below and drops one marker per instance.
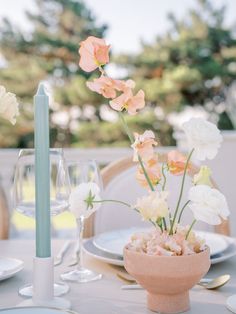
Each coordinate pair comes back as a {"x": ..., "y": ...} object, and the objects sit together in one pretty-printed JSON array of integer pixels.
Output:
[{"x": 105, "y": 296}]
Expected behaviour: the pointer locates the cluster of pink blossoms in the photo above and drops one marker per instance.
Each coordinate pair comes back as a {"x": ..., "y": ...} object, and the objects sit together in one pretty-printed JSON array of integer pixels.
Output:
[
  {"x": 94, "y": 53},
  {"x": 161, "y": 243}
]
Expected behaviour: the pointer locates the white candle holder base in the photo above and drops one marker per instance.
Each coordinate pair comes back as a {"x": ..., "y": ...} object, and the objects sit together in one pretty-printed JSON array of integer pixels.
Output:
[
  {"x": 43, "y": 283},
  {"x": 59, "y": 303},
  {"x": 231, "y": 303}
]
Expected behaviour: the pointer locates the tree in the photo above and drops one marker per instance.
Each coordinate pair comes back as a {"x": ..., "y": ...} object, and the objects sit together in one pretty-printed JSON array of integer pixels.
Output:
[
  {"x": 49, "y": 52},
  {"x": 193, "y": 63}
]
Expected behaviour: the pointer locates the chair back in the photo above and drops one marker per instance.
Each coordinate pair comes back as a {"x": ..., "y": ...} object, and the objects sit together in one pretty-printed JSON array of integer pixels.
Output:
[{"x": 4, "y": 216}]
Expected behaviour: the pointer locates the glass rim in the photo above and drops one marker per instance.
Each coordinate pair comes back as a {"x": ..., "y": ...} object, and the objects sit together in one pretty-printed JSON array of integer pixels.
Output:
[
  {"x": 32, "y": 151},
  {"x": 81, "y": 161}
]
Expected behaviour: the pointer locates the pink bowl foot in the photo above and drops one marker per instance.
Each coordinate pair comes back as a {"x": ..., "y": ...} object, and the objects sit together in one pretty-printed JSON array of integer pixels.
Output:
[{"x": 168, "y": 303}]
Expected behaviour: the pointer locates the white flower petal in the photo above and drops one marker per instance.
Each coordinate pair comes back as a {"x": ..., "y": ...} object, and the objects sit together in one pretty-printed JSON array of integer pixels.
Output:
[
  {"x": 203, "y": 136},
  {"x": 207, "y": 204},
  {"x": 8, "y": 105},
  {"x": 78, "y": 205}
]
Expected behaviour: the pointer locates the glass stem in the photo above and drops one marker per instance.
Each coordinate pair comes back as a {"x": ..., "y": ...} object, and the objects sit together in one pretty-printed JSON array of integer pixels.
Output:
[{"x": 80, "y": 228}]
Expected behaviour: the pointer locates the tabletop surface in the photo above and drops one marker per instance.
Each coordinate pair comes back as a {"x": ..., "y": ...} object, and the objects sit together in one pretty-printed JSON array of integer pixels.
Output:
[{"x": 105, "y": 296}]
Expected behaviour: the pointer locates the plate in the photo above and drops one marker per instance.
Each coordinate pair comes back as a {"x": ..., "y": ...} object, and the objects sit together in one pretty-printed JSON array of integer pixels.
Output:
[
  {"x": 113, "y": 259},
  {"x": 9, "y": 267},
  {"x": 113, "y": 242},
  {"x": 95, "y": 252},
  {"x": 35, "y": 310}
]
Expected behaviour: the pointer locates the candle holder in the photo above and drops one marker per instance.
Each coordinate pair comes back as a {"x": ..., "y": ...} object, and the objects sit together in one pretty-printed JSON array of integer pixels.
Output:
[
  {"x": 43, "y": 282},
  {"x": 43, "y": 273}
]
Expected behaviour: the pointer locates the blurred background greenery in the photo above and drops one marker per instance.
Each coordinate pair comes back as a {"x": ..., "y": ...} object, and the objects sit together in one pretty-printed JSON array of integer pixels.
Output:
[{"x": 190, "y": 67}]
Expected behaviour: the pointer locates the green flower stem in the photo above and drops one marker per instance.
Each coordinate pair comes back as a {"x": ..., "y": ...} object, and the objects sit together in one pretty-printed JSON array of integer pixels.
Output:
[
  {"x": 131, "y": 138},
  {"x": 145, "y": 174},
  {"x": 130, "y": 135},
  {"x": 181, "y": 191},
  {"x": 182, "y": 210},
  {"x": 113, "y": 201},
  {"x": 163, "y": 188},
  {"x": 164, "y": 223},
  {"x": 102, "y": 70},
  {"x": 123, "y": 203},
  {"x": 127, "y": 130},
  {"x": 164, "y": 177},
  {"x": 190, "y": 228}
]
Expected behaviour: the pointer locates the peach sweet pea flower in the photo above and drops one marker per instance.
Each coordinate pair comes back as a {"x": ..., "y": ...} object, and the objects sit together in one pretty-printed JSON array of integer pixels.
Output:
[
  {"x": 143, "y": 145},
  {"x": 127, "y": 101},
  {"x": 176, "y": 162},
  {"x": 93, "y": 53},
  {"x": 153, "y": 171},
  {"x": 107, "y": 86}
]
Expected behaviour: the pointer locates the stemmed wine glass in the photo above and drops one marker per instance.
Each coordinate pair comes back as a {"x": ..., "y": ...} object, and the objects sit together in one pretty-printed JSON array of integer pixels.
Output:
[
  {"x": 24, "y": 195},
  {"x": 81, "y": 172}
]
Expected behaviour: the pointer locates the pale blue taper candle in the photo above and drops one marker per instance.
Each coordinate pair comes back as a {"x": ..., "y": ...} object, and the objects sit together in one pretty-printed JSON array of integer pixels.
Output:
[{"x": 42, "y": 180}]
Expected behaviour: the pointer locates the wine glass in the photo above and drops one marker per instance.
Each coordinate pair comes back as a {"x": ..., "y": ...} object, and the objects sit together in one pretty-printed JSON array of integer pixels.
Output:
[
  {"x": 82, "y": 172},
  {"x": 24, "y": 195}
]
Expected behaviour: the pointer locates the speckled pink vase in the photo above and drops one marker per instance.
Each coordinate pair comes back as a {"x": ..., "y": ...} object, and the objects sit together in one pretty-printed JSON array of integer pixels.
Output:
[{"x": 167, "y": 279}]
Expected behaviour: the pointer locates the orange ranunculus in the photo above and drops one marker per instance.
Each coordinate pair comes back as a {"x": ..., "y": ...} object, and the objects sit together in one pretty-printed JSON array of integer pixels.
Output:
[
  {"x": 153, "y": 170},
  {"x": 143, "y": 145},
  {"x": 93, "y": 53},
  {"x": 127, "y": 101},
  {"x": 176, "y": 162},
  {"x": 107, "y": 86}
]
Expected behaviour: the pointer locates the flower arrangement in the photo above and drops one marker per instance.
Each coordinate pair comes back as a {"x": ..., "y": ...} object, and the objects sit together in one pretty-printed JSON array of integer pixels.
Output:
[{"x": 206, "y": 203}]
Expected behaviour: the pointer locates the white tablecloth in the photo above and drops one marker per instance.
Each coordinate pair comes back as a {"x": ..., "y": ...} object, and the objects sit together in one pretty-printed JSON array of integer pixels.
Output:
[{"x": 105, "y": 296}]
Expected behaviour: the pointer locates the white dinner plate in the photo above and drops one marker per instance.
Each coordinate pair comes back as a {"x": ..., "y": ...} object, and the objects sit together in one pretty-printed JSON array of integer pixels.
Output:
[
  {"x": 9, "y": 267},
  {"x": 113, "y": 242},
  {"x": 113, "y": 259},
  {"x": 35, "y": 310},
  {"x": 95, "y": 252}
]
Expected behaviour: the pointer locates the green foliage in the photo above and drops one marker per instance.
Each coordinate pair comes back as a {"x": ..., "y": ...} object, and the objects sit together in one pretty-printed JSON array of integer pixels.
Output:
[
  {"x": 191, "y": 64},
  {"x": 49, "y": 52}
]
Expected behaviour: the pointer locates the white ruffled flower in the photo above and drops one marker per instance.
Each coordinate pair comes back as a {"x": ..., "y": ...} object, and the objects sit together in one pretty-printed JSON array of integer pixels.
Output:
[
  {"x": 8, "y": 105},
  {"x": 82, "y": 197},
  {"x": 204, "y": 137},
  {"x": 154, "y": 206},
  {"x": 208, "y": 204}
]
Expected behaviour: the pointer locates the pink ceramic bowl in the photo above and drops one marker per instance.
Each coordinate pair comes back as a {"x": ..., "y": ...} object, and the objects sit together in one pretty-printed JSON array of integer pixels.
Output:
[{"x": 167, "y": 279}]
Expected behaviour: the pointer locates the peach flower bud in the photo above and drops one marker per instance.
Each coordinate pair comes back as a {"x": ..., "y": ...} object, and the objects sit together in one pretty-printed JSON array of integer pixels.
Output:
[
  {"x": 176, "y": 162},
  {"x": 93, "y": 53},
  {"x": 143, "y": 145}
]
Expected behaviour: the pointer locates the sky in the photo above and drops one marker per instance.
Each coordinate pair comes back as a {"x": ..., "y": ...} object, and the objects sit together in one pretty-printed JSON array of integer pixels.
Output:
[{"x": 129, "y": 21}]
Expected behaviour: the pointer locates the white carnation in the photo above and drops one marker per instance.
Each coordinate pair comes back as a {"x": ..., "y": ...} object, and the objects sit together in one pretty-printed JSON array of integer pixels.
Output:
[
  {"x": 208, "y": 204},
  {"x": 204, "y": 137},
  {"x": 78, "y": 200},
  {"x": 8, "y": 105}
]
